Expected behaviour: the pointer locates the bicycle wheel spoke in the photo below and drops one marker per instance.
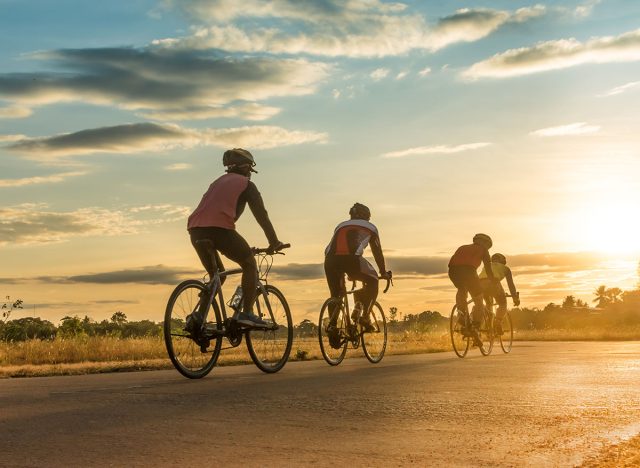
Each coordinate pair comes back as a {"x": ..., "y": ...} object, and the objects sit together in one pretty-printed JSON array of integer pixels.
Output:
[
  {"x": 269, "y": 348},
  {"x": 333, "y": 355},
  {"x": 374, "y": 343},
  {"x": 458, "y": 328}
]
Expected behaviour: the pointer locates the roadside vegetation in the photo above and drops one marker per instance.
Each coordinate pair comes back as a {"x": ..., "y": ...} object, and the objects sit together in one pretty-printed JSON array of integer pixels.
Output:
[{"x": 33, "y": 346}]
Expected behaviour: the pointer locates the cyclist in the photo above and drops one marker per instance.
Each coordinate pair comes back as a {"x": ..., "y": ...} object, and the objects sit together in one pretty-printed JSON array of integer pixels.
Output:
[
  {"x": 463, "y": 272},
  {"x": 214, "y": 219},
  {"x": 494, "y": 290},
  {"x": 344, "y": 255}
]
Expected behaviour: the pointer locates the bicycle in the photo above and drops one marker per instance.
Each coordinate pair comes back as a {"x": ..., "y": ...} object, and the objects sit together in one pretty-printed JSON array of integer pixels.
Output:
[
  {"x": 350, "y": 331},
  {"x": 195, "y": 353},
  {"x": 460, "y": 328}
]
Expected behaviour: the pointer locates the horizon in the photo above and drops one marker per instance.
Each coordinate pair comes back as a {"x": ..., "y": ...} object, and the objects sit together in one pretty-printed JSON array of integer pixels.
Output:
[{"x": 515, "y": 119}]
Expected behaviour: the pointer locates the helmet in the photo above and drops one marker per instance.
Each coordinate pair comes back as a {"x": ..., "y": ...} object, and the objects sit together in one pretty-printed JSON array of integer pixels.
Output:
[
  {"x": 499, "y": 258},
  {"x": 360, "y": 211},
  {"x": 483, "y": 238},
  {"x": 237, "y": 157}
]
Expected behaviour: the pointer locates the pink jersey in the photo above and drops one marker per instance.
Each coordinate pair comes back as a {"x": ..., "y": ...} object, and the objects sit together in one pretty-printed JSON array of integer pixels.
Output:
[{"x": 218, "y": 205}]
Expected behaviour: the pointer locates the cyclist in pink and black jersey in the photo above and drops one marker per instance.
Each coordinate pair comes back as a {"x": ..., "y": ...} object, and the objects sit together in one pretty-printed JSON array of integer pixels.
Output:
[
  {"x": 215, "y": 217},
  {"x": 344, "y": 255}
]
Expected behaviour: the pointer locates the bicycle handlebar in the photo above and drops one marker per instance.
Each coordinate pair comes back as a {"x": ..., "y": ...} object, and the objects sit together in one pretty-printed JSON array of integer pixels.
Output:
[
  {"x": 269, "y": 251},
  {"x": 389, "y": 279}
]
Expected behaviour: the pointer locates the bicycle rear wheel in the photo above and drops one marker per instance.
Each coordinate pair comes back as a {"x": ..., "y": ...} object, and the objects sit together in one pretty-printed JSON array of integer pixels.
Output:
[
  {"x": 486, "y": 333},
  {"x": 374, "y": 343},
  {"x": 458, "y": 324},
  {"x": 184, "y": 352},
  {"x": 270, "y": 348},
  {"x": 333, "y": 356},
  {"x": 506, "y": 337}
]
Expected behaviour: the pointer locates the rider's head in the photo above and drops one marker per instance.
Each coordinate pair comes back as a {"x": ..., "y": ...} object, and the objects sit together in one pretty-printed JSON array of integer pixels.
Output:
[
  {"x": 360, "y": 211},
  {"x": 483, "y": 240},
  {"x": 239, "y": 160},
  {"x": 499, "y": 258}
]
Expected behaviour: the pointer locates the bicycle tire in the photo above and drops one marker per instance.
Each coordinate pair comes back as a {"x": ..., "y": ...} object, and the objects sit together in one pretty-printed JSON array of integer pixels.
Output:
[
  {"x": 270, "y": 349},
  {"x": 184, "y": 352},
  {"x": 506, "y": 338},
  {"x": 486, "y": 333},
  {"x": 374, "y": 343},
  {"x": 459, "y": 342},
  {"x": 333, "y": 356}
]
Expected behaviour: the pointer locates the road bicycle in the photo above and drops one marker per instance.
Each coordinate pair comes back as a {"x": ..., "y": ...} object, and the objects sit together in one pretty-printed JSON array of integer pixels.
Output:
[
  {"x": 461, "y": 330},
  {"x": 194, "y": 353},
  {"x": 349, "y": 330}
]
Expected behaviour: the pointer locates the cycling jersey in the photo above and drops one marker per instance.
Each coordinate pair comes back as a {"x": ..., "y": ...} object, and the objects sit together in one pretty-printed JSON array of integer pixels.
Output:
[
  {"x": 352, "y": 237},
  {"x": 499, "y": 271},
  {"x": 470, "y": 255},
  {"x": 224, "y": 202}
]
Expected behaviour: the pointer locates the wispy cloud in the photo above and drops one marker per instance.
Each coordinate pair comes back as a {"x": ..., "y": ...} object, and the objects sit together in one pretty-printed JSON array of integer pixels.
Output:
[
  {"x": 166, "y": 84},
  {"x": 555, "y": 55},
  {"x": 142, "y": 137},
  {"x": 379, "y": 74},
  {"x": 573, "y": 129},
  {"x": 48, "y": 179},
  {"x": 438, "y": 149},
  {"x": 178, "y": 167},
  {"x": 10, "y": 138},
  {"x": 36, "y": 224},
  {"x": 424, "y": 72},
  {"x": 15, "y": 112},
  {"x": 333, "y": 28},
  {"x": 621, "y": 89}
]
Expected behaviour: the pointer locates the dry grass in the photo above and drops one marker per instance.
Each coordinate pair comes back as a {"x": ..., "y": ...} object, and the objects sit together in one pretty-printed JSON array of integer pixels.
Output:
[{"x": 108, "y": 354}]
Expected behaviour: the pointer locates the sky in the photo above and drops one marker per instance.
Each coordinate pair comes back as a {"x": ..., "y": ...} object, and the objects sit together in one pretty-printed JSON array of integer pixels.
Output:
[{"x": 446, "y": 118}]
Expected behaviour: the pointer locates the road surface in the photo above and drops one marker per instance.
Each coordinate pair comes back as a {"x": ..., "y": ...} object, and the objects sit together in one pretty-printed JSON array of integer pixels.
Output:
[{"x": 545, "y": 404}]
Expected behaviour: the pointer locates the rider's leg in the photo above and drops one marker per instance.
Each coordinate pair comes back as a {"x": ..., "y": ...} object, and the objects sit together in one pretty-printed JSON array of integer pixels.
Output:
[
  {"x": 334, "y": 273},
  {"x": 501, "y": 300},
  {"x": 457, "y": 275}
]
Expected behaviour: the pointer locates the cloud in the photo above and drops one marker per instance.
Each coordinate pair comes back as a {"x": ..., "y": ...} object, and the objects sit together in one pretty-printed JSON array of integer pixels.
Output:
[
  {"x": 15, "y": 112},
  {"x": 249, "y": 111},
  {"x": 559, "y": 54},
  {"x": 379, "y": 74},
  {"x": 49, "y": 179},
  {"x": 424, "y": 72},
  {"x": 164, "y": 83},
  {"x": 35, "y": 224},
  {"x": 158, "y": 274},
  {"x": 439, "y": 149},
  {"x": 354, "y": 28},
  {"x": 621, "y": 89},
  {"x": 143, "y": 137},
  {"x": 402, "y": 75},
  {"x": 573, "y": 129},
  {"x": 178, "y": 167},
  {"x": 9, "y": 138}
]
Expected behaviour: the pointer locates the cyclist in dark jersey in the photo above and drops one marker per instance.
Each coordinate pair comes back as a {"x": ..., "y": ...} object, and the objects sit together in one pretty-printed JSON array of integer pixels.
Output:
[
  {"x": 463, "y": 272},
  {"x": 344, "y": 255},
  {"x": 215, "y": 218},
  {"x": 493, "y": 290}
]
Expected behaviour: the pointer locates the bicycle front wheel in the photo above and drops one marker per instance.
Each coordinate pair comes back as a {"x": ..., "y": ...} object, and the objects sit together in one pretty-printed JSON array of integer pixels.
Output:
[
  {"x": 459, "y": 330},
  {"x": 184, "y": 352},
  {"x": 486, "y": 333},
  {"x": 506, "y": 337},
  {"x": 332, "y": 354},
  {"x": 270, "y": 348},
  {"x": 374, "y": 343}
]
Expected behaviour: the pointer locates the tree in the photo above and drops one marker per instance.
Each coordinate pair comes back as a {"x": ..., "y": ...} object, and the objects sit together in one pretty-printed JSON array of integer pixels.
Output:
[
  {"x": 393, "y": 314},
  {"x": 70, "y": 327},
  {"x": 307, "y": 328},
  {"x": 569, "y": 302},
  {"x": 119, "y": 318},
  {"x": 602, "y": 299},
  {"x": 9, "y": 307}
]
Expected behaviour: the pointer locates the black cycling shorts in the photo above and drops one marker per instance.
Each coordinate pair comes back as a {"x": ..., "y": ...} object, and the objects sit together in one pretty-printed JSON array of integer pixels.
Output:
[
  {"x": 465, "y": 278},
  {"x": 226, "y": 241}
]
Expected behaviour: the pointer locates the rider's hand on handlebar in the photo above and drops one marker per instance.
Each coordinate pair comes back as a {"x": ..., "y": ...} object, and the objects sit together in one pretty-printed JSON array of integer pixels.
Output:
[
  {"x": 516, "y": 300},
  {"x": 386, "y": 275},
  {"x": 276, "y": 246}
]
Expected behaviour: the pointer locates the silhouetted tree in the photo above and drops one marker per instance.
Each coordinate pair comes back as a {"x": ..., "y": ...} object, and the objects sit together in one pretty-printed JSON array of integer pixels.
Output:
[
  {"x": 569, "y": 302},
  {"x": 602, "y": 299},
  {"x": 9, "y": 307},
  {"x": 119, "y": 318},
  {"x": 393, "y": 314}
]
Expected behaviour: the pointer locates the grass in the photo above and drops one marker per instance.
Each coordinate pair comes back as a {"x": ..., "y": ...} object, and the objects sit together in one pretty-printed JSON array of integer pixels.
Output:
[{"x": 85, "y": 355}]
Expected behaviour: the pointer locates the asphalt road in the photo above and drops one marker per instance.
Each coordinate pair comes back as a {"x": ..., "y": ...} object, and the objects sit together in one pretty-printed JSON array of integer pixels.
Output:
[{"x": 545, "y": 404}]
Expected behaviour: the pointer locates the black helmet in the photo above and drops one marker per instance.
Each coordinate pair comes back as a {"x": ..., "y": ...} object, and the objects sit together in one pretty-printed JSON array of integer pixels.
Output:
[
  {"x": 499, "y": 258},
  {"x": 483, "y": 238},
  {"x": 360, "y": 211},
  {"x": 238, "y": 157}
]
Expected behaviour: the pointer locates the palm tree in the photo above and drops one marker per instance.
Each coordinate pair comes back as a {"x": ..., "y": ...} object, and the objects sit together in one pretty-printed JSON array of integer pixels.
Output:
[{"x": 602, "y": 296}]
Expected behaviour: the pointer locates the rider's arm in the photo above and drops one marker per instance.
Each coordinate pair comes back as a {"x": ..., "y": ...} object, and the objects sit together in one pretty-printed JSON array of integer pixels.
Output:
[
  {"x": 486, "y": 260},
  {"x": 254, "y": 199},
  {"x": 512, "y": 286},
  {"x": 376, "y": 249}
]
